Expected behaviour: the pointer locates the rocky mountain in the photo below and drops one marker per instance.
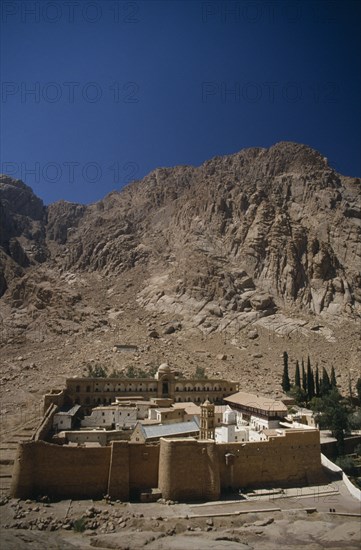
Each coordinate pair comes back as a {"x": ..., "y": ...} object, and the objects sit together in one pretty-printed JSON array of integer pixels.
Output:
[{"x": 261, "y": 240}]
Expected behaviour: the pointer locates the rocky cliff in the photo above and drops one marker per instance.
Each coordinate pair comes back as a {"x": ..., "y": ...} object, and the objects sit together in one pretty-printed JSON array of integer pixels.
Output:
[{"x": 226, "y": 244}]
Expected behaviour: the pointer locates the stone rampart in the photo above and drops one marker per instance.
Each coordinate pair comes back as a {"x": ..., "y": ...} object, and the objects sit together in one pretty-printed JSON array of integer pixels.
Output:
[{"x": 183, "y": 469}]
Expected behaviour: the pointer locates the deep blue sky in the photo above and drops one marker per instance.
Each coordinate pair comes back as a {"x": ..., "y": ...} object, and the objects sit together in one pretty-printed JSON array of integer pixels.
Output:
[{"x": 164, "y": 83}]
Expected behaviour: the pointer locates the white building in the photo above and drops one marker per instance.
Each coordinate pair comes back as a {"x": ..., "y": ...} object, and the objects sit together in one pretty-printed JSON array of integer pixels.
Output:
[
  {"x": 259, "y": 412},
  {"x": 111, "y": 417},
  {"x": 229, "y": 431},
  {"x": 64, "y": 420},
  {"x": 141, "y": 405}
]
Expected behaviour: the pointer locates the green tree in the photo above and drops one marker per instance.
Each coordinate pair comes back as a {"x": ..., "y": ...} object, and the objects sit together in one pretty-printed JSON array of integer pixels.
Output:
[
  {"x": 332, "y": 414},
  {"x": 297, "y": 375},
  {"x": 286, "y": 385},
  {"x": 348, "y": 465},
  {"x": 325, "y": 385},
  {"x": 304, "y": 378},
  {"x": 317, "y": 382},
  {"x": 97, "y": 371},
  {"x": 310, "y": 382},
  {"x": 298, "y": 394},
  {"x": 333, "y": 377},
  {"x": 200, "y": 373},
  {"x": 354, "y": 419},
  {"x": 358, "y": 388},
  {"x": 131, "y": 372}
]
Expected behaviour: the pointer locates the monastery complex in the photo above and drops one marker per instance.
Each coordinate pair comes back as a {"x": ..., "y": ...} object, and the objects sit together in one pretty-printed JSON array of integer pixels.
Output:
[{"x": 164, "y": 437}]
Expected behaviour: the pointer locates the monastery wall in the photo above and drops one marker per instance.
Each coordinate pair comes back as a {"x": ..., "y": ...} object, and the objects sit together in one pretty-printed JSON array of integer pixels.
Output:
[
  {"x": 188, "y": 470},
  {"x": 143, "y": 467},
  {"x": 46, "y": 423},
  {"x": 292, "y": 459},
  {"x": 59, "y": 471},
  {"x": 192, "y": 470},
  {"x": 121, "y": 470},
  {"x": 184, "y": 469},
  {"x": 56, "y": 397}
]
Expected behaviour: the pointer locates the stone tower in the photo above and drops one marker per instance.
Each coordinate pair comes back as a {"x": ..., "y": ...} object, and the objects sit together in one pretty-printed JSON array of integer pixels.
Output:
[{"x": 207, "y": 421}]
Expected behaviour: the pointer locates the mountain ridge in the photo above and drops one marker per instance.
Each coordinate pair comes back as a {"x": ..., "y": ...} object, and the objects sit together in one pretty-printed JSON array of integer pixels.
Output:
[{"x": 259, "y": 244}]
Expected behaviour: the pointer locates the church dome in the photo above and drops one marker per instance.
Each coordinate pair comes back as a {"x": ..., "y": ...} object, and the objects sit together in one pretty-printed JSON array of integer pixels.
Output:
[{"x": 164, "y": 368}]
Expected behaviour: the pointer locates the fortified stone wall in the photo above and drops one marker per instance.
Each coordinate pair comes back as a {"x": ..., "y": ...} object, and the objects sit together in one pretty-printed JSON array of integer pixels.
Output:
[
  {"x": 143, "y": 467},
  {"x": 59, "y": 471},
  {"x": 120, "y": 470},
  {"x": 192, "y": 470},
  {"x": 56, "y": 397},
  {"x": 188, "y": 470},
  {"x": 46, "y": 423},
  {"x": 292, "y": 459},
  {"x": 183, "y": 469}
]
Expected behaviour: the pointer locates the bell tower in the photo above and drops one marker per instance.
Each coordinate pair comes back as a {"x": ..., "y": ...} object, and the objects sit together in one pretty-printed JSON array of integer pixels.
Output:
[{"x": 207, "y": 421}]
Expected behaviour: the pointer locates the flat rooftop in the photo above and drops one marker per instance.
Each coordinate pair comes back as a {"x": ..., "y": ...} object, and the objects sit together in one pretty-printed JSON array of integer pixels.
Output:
[{"x": 249, "y": 400}]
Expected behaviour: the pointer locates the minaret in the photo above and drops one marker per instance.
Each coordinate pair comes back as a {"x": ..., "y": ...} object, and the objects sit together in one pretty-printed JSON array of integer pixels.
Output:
[{"x": 207, "y": 421}]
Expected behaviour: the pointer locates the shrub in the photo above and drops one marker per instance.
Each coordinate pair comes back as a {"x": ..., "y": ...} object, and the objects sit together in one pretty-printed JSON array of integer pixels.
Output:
[{"x": 79, "y": 525}]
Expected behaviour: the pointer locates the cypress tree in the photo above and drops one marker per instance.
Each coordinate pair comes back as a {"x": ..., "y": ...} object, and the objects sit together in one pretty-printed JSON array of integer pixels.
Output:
[
  {"x": 286, "y": 386},
  {"x": 310, "y": 382},
  {"x": 333, "y": 377},
  {"x": 304, "y": 378},
  {"x": 297, "y": 376},
  {"x": 317, "y": 382},
  {"x": 358, "y": 389},
  {"x": 325, "y": 385}
]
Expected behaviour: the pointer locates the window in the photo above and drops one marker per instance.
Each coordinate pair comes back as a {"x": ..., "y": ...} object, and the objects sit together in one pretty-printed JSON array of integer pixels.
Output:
[
  {"x": 77, "y": 389},
  {"x": 88, "y": 389}
]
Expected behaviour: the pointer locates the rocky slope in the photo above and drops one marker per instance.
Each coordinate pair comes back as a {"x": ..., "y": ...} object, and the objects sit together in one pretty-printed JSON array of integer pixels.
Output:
[{"x": 265, "y": 241}]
